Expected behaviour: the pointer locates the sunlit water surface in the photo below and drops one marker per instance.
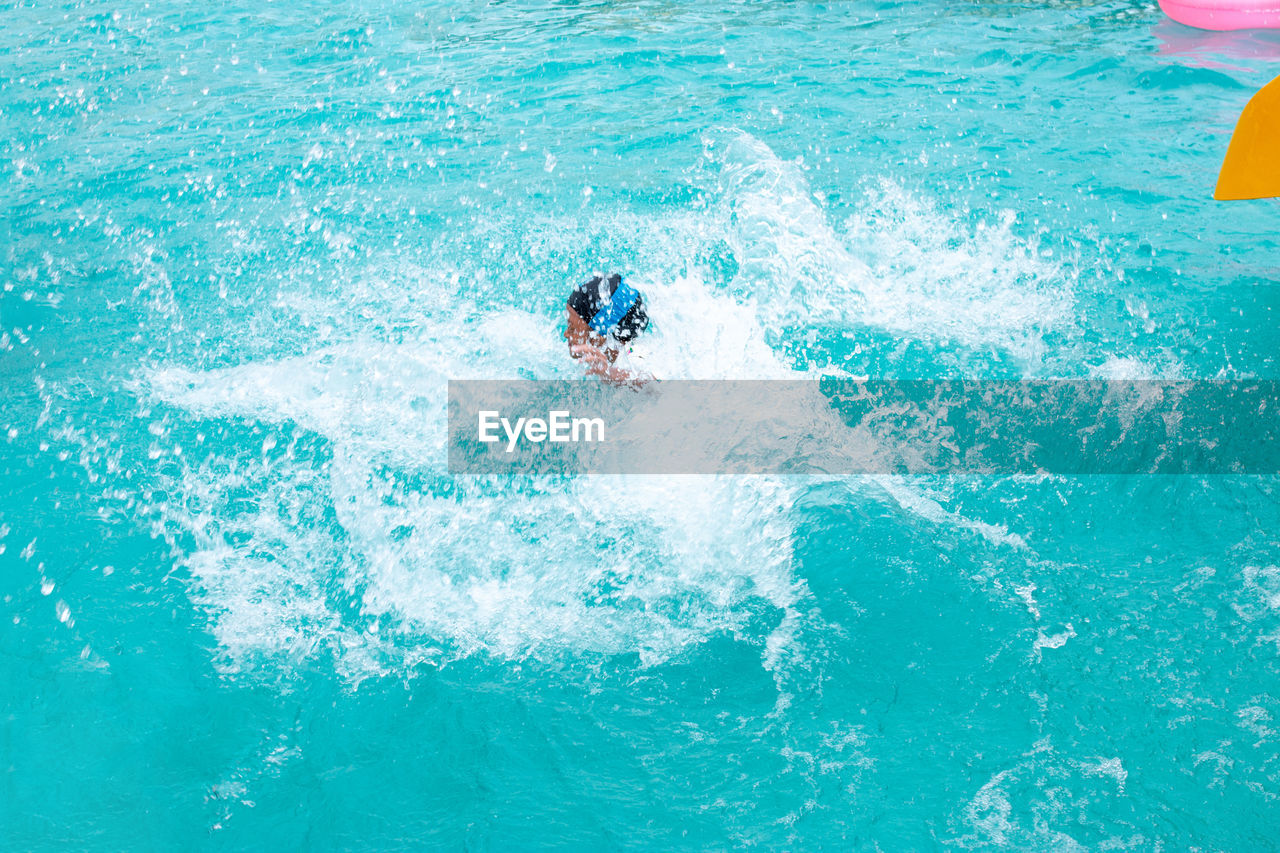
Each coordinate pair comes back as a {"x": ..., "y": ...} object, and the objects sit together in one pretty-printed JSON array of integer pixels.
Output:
[{"x": 245, "y": 605}]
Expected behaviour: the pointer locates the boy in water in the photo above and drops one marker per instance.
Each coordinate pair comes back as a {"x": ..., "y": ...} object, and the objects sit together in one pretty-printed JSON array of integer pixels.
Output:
[{"x": 604, "y": 316}]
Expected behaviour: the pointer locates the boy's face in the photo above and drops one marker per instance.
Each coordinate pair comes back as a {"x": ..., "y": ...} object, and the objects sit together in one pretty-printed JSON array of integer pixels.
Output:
[
  {"x": 578, "y": 333},
  {"x": 583, "y": 340}
]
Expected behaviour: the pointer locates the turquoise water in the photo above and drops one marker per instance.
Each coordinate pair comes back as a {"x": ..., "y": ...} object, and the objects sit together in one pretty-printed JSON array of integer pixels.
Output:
[{"x": 246, "y": 607}]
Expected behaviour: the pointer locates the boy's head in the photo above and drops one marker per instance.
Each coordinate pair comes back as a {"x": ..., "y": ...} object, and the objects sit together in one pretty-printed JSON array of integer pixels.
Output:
[{"x": 604, "y": 307}]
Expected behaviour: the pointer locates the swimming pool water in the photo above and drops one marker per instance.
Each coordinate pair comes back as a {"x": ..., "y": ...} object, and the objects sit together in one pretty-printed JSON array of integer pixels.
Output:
[{"x": 245, "y": 605}]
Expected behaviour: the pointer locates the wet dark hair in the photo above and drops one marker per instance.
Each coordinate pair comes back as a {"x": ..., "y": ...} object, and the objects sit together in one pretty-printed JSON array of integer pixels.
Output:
[{"x": 594, "y": 301}]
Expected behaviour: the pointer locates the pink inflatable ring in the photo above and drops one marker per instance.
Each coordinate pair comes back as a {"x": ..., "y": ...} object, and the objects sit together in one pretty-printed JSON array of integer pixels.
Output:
[{"x": 1224, "y": 14}]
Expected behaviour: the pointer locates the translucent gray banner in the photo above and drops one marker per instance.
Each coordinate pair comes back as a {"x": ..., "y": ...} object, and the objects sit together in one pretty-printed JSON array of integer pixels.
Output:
[{"x": 848, "y": 426}]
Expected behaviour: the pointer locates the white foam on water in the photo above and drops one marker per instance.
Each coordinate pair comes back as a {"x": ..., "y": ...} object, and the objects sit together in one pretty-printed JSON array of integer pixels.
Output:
[
  {"x": 603, "y": 565},
  {"x": 916, "y": 500},
  {"x": 359, "y": 560},
  {"x": 1260, "y": 592},
  {"x": 1111, "y": 768},
  {"x": 900, "y": 263},
  {"x": 1051, "y": 641},
  {"x": 382, "y": 560},
  {"x": 1040, "y": 801},
  {"x": 1132, "y": 368},
  {"x": 937, "y": 277},
  {"x": 711, "y": 336},
  {"x": 789, "y": 256}
]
